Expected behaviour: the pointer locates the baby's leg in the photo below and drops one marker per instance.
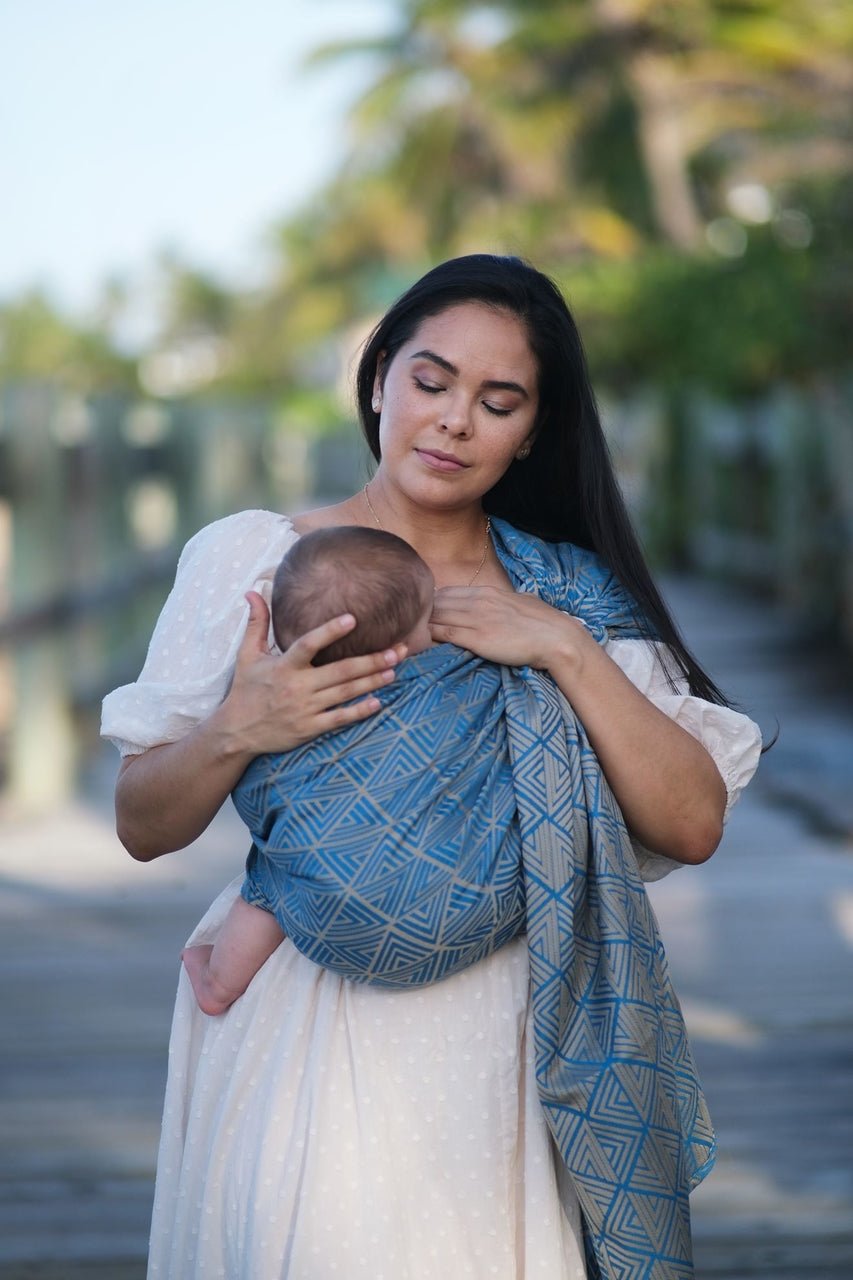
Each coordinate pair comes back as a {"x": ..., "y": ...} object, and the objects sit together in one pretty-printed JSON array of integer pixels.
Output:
[{"x": 222, "y": 972}]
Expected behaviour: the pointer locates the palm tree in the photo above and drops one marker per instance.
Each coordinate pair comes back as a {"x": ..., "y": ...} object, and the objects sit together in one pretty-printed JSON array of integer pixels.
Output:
[
  {"x": 495, "y": 117},
  {"x": 735, "y": 86}
]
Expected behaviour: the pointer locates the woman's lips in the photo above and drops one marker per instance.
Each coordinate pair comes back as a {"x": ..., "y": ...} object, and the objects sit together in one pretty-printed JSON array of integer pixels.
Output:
[{"x": 440, "y": 461}]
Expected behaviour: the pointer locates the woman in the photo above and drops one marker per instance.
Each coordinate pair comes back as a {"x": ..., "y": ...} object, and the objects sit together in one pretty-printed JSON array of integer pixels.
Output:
[{"x": 325, "y": 1128}]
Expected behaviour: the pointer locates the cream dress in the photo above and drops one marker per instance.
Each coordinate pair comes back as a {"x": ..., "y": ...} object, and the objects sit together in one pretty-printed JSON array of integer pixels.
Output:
[{"x": 324, "y": 1130}]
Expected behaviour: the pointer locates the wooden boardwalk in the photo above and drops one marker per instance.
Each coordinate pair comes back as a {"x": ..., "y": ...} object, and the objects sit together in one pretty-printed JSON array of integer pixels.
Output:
[
  {"x": 89, "y": 945},
  {"x": 760, "y": 940}
]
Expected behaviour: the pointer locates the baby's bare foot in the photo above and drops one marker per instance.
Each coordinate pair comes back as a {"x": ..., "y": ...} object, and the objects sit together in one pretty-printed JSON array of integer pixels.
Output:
[{"x": 210, "y": 995}]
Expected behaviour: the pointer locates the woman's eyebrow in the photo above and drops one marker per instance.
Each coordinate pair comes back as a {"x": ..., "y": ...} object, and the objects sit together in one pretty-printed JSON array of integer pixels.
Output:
[{"x": 492, "y": 385}]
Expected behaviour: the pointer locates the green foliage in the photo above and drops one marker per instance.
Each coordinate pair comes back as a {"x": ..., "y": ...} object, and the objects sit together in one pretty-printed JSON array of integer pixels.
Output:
[
  {"x": 195, "y": 302},
  {"x": 36, "y": 341},
  {"x": 776, "y": 313},
  {"x": 310, "y": 412}
]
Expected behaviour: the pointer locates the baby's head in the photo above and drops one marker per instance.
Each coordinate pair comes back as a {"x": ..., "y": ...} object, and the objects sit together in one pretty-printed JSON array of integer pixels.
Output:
[{"x": 374, "y": 575}]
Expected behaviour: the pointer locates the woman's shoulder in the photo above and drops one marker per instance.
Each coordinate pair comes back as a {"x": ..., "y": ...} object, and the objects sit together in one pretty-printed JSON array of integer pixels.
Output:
[
  {"x": 574, "y": 579},
  {"x": 192, "y": 651},
  {"x": 244, "y": 536},
  {"x": 243, "y": 526},
  {"x": 559, "y": 560}
]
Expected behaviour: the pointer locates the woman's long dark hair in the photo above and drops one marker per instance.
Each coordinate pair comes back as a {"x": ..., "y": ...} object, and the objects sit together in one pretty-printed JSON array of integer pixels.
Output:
[{"x": 566, "y": 490}]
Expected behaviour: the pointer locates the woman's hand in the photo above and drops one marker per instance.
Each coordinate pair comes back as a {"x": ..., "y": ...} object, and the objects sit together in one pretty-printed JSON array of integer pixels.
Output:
[
  {"x": 279, "y": 701},
  {"x": 168, "y": 795},
  {"x": 508, "y": 627}
]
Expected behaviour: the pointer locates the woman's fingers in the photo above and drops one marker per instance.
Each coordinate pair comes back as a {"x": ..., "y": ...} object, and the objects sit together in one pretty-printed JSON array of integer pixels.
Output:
[
  {"x": 512, "y": 628},
  {"x": 335, "y": 705},
  {"x": 348, "y": 674},
  {"x": 341, "y": 682},
  {"x": 350, "y": 713},
  {"x": 331, "y": 695},
  {"x": 303, "y": 650},
  {"x": 457, "y": 607},
  {"x": 468, "y": 601}
]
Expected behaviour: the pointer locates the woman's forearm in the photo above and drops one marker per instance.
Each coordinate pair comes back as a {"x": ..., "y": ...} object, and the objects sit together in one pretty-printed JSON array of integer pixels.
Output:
[
  {"x": 669, "y": 790},
  {"x": 167, "y": 796}
]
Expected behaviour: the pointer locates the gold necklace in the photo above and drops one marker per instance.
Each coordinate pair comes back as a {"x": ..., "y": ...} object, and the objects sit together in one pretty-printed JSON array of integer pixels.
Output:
[{"x": 485, "y": 543}]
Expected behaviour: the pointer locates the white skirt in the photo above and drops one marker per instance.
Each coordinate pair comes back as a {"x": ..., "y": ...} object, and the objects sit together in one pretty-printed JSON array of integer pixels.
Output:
[{"x": 325, "y": 1130}]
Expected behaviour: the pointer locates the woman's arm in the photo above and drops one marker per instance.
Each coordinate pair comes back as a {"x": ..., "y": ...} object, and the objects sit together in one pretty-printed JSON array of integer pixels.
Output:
[
  {"x": 669, "y": 790},
  {"x": 168, "y": 795}
]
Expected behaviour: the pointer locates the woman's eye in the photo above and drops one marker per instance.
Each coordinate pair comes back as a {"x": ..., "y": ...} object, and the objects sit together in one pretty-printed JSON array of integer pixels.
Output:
[{"x": 433, "y": 389}]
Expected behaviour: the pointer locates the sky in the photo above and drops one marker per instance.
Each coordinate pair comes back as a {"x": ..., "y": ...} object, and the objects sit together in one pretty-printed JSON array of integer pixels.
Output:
[{"x": 129, "y": 127}]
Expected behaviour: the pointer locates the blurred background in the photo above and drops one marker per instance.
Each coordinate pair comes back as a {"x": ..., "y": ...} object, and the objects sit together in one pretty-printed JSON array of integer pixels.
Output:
[{"x": 204, "y": 211}]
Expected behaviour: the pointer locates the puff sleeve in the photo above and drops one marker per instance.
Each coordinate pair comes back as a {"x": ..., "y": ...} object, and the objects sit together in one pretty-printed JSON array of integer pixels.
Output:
[
  {"x": 732, "y": 740},
  {"x": 195, "y": 642}
]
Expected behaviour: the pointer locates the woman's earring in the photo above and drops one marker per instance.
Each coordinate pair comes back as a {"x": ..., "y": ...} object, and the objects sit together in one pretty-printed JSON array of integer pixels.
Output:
[
  {"x": 524, "y": 452},
  {"x": 377, "y": 403}
]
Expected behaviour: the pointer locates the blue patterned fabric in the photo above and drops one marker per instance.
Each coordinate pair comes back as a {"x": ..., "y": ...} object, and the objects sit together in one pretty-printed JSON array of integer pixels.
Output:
[{"x": 472, "y": 808}]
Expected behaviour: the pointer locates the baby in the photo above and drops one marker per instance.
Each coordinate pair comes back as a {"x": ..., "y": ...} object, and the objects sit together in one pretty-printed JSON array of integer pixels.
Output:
[{"x": 385, "y": 585}]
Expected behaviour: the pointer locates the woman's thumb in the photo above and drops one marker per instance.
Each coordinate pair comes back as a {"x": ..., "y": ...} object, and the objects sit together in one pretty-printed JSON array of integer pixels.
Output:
[{"x": 257, "y": 626}]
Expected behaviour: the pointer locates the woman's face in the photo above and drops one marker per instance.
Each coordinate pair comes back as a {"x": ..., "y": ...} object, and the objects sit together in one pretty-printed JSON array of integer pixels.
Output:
[{"x": 459, "y": 401}]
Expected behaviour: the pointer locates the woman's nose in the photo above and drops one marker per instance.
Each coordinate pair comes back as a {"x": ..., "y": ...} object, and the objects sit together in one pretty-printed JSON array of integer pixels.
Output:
[{"x": 456, "y": 416}]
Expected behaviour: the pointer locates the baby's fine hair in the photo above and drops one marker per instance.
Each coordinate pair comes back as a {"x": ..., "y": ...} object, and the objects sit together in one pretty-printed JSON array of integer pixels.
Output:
[{"x": 374, "y": 575}]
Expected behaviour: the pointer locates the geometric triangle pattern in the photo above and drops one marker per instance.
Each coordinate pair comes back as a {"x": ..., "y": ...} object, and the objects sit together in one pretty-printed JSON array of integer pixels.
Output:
[
  {"x": 471, "y": 808},
  {"x": 390, "y": 851}
]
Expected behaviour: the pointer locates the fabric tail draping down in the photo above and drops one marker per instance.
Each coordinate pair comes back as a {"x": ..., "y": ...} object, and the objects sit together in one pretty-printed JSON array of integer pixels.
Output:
[
  {"x": 473, "y": 808},
  {"x": 613, "y": 1065}
]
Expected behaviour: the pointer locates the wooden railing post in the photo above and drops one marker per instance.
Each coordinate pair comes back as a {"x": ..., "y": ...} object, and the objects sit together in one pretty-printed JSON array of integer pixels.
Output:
[{"x": 41, "y": 754}]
